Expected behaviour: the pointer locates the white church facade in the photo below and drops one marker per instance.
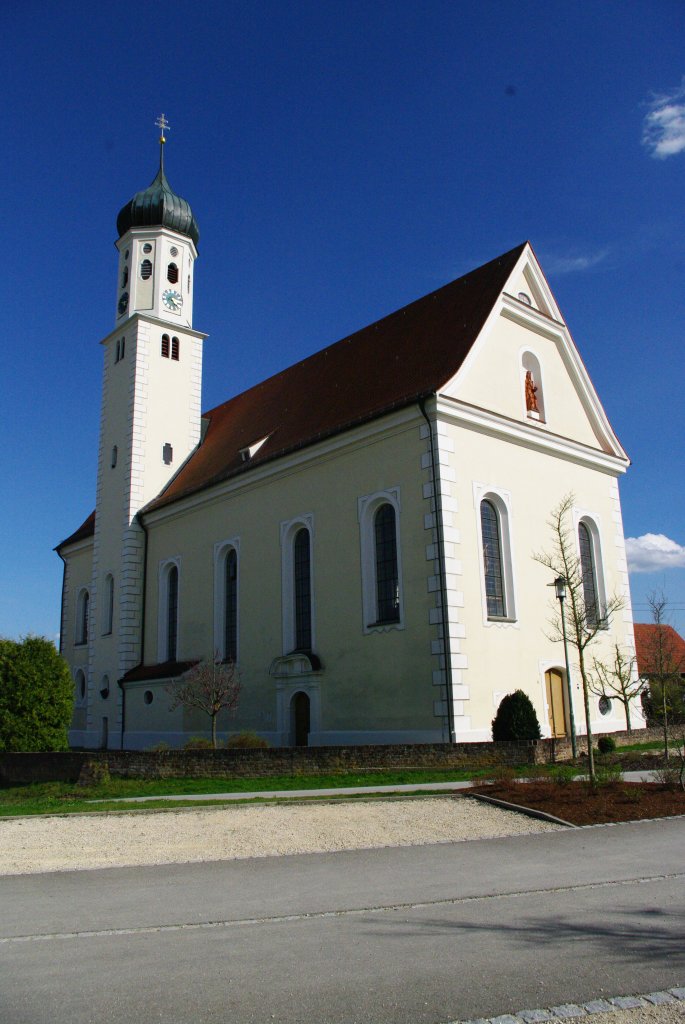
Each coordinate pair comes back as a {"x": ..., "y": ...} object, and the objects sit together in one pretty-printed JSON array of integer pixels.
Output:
[{"x": 356, "y": 533}]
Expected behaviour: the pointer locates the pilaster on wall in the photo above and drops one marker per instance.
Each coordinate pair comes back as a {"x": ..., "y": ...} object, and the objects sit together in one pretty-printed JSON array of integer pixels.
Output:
[
  {"x": 623, "y": 581},
  {"x": 131, "y": 598},
  {"x": 440, "y": 524}
]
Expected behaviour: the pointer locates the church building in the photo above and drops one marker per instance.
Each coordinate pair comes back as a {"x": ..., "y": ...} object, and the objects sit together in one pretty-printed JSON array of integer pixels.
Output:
[{"x": 356, "y": 533}]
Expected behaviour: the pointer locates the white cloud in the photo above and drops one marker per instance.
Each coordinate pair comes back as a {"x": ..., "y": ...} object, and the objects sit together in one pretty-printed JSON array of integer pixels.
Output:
[
  {"x": 571, "y": 264},
  {"x": 653, "y": 552},
  {"x": 663, "y": 131}
]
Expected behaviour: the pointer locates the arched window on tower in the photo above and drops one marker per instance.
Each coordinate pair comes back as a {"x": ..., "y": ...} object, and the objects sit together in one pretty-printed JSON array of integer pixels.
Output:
[
  {"x": 172, "y": 273},
  {"x": 108, "y": 610},
  {"x": 146, "y": 269},
  {"x": 124, "y": 277},
  {"x": 165, "y": 346},
  {"x": 175, "y": 349}
]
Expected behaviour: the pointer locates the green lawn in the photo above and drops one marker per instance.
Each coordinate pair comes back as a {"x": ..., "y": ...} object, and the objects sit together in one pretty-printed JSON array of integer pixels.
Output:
[{"x": 68, "y": 798}]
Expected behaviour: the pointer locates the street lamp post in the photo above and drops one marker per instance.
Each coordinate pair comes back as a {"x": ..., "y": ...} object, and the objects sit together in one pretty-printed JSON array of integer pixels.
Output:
[{"x": 560, "y": 591}]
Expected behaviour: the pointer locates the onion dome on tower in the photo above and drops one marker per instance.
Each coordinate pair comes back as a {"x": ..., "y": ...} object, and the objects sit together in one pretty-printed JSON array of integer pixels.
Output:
[{"x": 159, "y": 206}]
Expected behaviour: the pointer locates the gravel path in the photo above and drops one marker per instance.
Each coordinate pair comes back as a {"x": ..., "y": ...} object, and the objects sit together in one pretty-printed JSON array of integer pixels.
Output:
[{"x": 77, "y": 842}]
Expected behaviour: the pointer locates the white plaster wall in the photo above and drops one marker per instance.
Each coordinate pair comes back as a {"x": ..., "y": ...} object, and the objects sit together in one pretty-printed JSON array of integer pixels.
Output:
[{"x": 496, "y": 658}]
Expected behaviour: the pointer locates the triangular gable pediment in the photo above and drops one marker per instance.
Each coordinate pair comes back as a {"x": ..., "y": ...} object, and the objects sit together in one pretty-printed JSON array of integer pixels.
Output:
[{"x": 525, "y": 334}]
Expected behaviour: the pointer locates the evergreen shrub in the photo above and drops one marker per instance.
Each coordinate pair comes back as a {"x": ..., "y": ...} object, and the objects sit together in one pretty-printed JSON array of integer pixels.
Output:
[
  {"x": 516, "y": 719},
  {"x": 36, "y": 696},
  {"x": 606, "y": 744},
  {"x": 245, "y": 740}
]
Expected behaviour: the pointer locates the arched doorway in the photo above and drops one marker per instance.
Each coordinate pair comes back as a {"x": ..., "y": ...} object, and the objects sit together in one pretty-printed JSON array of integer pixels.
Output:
[
  {"x": 299, "y": 719},
  {"x": 556, "y": 702}
]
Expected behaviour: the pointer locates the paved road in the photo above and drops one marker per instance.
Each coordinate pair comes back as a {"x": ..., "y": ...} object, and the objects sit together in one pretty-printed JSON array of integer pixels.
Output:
[{"x": 417, "y": 934}]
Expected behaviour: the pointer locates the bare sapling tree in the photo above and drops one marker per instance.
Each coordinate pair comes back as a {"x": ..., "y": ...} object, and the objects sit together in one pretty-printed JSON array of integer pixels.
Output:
[
  {"x": 210, "y": 687},
  {"x": 586, "y": 618},
  {"x": 617, "y": 680},
  {"x": 663, "y": 666}
]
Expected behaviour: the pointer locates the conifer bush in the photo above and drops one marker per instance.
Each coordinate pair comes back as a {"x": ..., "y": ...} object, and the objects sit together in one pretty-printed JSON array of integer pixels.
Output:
[
  {"x": 516, "y": 719},
  {"x": 606, "y": 744},
  {"x": 36, "y": 695}
]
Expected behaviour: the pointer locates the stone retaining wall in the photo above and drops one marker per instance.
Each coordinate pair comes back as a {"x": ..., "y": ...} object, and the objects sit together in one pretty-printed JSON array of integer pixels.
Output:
[{"x": 17, "y": 769}]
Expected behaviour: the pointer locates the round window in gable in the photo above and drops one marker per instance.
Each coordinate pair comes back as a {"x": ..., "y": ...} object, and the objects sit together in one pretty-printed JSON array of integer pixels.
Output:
[
  {"x": 148, "y": 697},
  {"x": 524, "y": 297},
  {"x": 604, "y": 705}
]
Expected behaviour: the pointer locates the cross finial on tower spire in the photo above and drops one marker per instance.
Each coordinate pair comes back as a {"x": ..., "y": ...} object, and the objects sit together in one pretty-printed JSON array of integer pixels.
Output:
[{"x": 162, "y": 124}]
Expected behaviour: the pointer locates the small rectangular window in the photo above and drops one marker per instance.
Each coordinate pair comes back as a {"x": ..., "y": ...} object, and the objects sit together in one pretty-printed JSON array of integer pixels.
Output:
[{"x": 167, "y": 454}]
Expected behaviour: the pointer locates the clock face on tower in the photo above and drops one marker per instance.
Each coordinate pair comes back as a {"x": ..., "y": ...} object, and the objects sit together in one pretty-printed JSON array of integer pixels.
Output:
[{"x": 173, "y": 300}]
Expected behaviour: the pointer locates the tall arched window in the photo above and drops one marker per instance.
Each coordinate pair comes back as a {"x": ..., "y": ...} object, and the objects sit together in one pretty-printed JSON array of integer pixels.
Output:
[
  {"x": 493, "y": 567},
  {"x": 82, "y": 606},
  {"x": 231, "y": 606},
  {"x": 303, "y": 590},
  {"x": 387, "y": 577},
  {"x": 80, "y": 686},
  {"x": 172, "y": 273},
  {"x": 172, "y": 614},
  {"x": 165, "y": 346},
  {"x": 589, "y": 576}
]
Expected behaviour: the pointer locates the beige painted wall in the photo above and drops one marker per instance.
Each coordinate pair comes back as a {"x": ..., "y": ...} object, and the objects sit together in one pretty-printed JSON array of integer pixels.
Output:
[{"x": 370, "y": 681}]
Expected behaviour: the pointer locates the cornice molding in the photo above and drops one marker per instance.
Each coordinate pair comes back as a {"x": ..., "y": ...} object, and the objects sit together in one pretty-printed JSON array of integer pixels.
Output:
[
  {"x": 529, "y": 436},
  {"x": 259, "y": 474},
  {"x": 124, "y": 327}
]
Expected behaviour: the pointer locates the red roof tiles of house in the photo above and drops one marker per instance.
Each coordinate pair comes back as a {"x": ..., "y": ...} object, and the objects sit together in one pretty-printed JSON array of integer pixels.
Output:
[
  {"x": 646, "y": 640},
  {"x": 394, "y": 362}
]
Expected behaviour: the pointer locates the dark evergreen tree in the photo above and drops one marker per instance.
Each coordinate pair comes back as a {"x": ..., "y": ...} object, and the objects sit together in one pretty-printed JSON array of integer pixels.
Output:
[
  {"x": 516, "y": 719},
  {"x": 36, "y": 695}
]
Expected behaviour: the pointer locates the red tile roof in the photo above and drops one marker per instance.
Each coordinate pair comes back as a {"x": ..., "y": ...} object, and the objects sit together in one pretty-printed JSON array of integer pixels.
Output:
[
  {"x": 86, "y": 529},
  {"x": 646, "y": 634},
  {"x": 394, "y": 362}
]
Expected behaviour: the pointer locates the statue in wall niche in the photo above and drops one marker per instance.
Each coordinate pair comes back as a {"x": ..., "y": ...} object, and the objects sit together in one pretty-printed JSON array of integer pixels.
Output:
[{"x": 531, "y": 392}]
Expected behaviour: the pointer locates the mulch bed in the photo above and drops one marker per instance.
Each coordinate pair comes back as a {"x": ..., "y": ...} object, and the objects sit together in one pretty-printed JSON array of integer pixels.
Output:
[{"x": 578, "y": 803}]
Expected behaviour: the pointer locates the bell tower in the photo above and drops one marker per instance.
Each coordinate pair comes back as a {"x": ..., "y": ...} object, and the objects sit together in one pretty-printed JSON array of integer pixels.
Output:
[
  {"x": 150, "y": 418},
  {"x": 158, "y": 237}
]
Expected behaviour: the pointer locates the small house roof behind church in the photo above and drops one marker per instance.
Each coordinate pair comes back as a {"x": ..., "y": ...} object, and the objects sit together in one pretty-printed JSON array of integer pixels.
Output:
[
  {"x": 394, "y": 362},
  {"x": 658, "y": 646}
]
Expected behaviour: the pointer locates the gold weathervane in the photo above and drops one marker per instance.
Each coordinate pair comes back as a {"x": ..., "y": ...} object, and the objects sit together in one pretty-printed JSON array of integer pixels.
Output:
[{"x": 163, "y": 125}]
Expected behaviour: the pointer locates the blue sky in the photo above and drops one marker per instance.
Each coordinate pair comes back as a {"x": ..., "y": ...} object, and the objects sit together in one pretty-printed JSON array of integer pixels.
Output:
[{"x": 341, "y": 159}]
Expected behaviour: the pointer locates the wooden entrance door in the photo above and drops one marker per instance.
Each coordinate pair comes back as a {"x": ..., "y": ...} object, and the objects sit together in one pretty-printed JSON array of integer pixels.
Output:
[
  {"x": 556, "y": 703},
  {"x": 300, "y": 719}
]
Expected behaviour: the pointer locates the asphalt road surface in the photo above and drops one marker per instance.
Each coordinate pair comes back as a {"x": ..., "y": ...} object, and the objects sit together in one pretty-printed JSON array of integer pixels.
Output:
[{"x": 413, "y": 934}]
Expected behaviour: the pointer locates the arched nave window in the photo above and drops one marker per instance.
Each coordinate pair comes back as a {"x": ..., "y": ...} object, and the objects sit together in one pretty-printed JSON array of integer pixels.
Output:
[
  {"x": 168, "y": 615},
  {"x": 387, "y": 578},
  {"x": 381, "y": 564},
  {"x": 297, "y": 584},
  {"x": 82, "y": 607},
  {"x": 590, "y": 567},
  {"x": 495, "y": 543}
]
